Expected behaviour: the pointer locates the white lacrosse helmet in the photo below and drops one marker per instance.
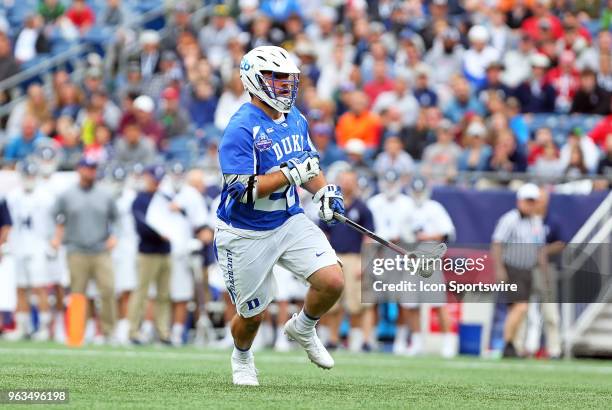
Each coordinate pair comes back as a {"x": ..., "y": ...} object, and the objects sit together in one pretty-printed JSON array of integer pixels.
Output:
[{"x": 278, "y": 93}]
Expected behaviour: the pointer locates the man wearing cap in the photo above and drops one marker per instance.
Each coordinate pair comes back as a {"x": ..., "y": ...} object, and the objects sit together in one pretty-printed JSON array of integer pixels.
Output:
[
  {"x": 153, "y": 262},
  {"x": 85, "y": 214},
  {"x": 478, "y": 57},
  {"x": 143, "y": 110},
  {"x": 150, "y": 55},
  {"x": 446, "y": 56},
  {"x": 517, "y": 249},
  {"x": 172, "y": 117},
  {"x": 536, "y": 95}
]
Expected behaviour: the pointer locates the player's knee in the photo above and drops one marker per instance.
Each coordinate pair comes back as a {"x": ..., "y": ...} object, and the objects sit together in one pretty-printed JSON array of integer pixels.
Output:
[
  {"x": 252, "y": 323},
  {"x": 335, "y": 282}
]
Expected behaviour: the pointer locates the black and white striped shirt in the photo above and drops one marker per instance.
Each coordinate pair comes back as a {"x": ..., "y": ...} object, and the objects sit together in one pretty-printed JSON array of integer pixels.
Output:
[{"x": 522, "y": 238}]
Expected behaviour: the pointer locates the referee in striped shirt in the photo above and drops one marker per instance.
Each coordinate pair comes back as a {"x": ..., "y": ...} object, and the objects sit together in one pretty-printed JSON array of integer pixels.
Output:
[{"x": 518, "y": 248}]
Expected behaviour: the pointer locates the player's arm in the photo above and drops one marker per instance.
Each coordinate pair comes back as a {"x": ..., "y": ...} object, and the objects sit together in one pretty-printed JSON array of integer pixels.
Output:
[{"x": 328, "y": 195}]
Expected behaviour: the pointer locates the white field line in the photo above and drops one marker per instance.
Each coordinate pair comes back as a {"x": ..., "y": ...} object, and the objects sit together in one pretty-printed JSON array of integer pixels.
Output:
[{"x": 342, "y": 359}]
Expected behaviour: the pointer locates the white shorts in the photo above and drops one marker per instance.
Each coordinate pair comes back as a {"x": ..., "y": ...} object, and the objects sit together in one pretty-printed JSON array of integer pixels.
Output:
[
  {"x": 58, "y": 267},
  {"x": 288, "y": 286},
  {"x": 124, "y": 267},
  {"x": 31, "y": 270},
  {"x": 181, "y": 279},
  {"x": 246, "y": 259}
]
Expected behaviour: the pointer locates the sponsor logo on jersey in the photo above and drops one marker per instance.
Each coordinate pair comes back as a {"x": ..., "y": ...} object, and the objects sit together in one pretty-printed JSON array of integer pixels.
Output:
[{"x": 263, "y": 142}]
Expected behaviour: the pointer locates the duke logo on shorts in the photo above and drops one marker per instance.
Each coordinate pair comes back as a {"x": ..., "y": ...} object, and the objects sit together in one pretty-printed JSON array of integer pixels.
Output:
[{"x": 273, "y": 229}]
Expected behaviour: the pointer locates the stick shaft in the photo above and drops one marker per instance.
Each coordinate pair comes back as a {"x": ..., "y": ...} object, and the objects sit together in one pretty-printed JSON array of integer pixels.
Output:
[{"x": 371, "y": 234}]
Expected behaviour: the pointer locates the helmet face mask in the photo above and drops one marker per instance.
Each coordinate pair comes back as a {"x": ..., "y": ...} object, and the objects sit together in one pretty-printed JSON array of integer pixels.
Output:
[{"x": 268, "y": 73}]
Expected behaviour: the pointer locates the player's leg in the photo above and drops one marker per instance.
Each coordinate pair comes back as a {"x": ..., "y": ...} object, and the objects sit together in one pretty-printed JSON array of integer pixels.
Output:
[
  {"x": 22, "y": 310},
  {"x": 181, "y": 291},
  {"x": 400, "y": 342},
  {"x": 414, "y": 323},
  {"x": 147, "y": 268},
  {"x": 162, "y": 304},
  {"x": 309, "y": 255},
  {"x": 40, "y": 282},
  {"x": 448, "y": 340},
  {"x": 518, "y": 307}
]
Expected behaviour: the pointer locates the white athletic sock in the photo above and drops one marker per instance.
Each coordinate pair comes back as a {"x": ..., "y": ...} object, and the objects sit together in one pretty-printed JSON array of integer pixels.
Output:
[
  {"x": 401, "y": 335},
  {"x": 44, "y": 321},
  {"x": 241, "y": 354},
  {"x": 177, "y": 332},
  {"x": 22, "y": 322},
  {"x": 305, "y": 323},
  {"x": 59, "y": 331},
  {"x": 355, "y": 339}
]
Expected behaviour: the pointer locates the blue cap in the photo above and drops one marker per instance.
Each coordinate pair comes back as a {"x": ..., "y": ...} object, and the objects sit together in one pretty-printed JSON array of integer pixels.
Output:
[
  {"x": 156, "y": 171},
  {"x": 87, "y": 162}
]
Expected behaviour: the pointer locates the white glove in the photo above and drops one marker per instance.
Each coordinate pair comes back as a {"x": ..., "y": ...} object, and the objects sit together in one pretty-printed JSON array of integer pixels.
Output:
[
  {"x": 302, "y": 169},
  {"x": 331, "y": 200}
]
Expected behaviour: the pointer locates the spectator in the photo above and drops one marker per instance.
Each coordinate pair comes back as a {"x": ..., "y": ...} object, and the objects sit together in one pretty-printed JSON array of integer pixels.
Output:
[
  {"x": 322, "y": 138},
  {"x": 564, "y": 79},
  {"x": 590, "y": 97},
  {"x": 507, "y": 155},
  {"x": 150, "y": 57},
  {"x": 516, "y": 120},
  {"x": 543, "y": 23},
  {"x": 214, "y": 37},
  {"x": 543, "y": 138},
  {"x": 518, "y": 62},
  {"x": 477, "y": 153},
  {"x": 36, "y": 105},
  {"x": 478, "y": 57},
  {"x": 69, "y": 101},
  {"x": 394, "y": 158},
  {"x": 604, "y": 74},
  {"x": 85, "y": 213},
  {"x": 463, "y": 101},
  {"x": 493, "y": 82},
  {"x": 154, "y": 261},
  {"x": 334, "y": 72},
  {"x": 517, "y": 248},
  {"x": 172, "y": 116},
  {"x": 101, "y": 150},
  {"x": 576, "y": 167},
  {"x": 547, "y": 164},
  {"x": 201, "y": 105},
  {"x": 169, "y": 73},
  {"x": 231, "y": 100},
  {"x": 93, "y": 81},
  {"x": 31, "y": 40},
  {"x": 380, "y": 83},
  {"x": 113, "y": 14},
  {"x": 446, "y": 56},
  {"x": 425, "y": 96},
  {"x": 134, "y": 148},
  {"x": 358, "y": 123},
  {"x": 439, "y": 163},
  {"x": 535, "y": 94},
  {"x": 591, "y": 56},
  {"x": 71, "y": 149},
  {"x": 588, "y": 150},
  {"x": 605, "y": 164},
  {"x": 24, "y": 143},
  {"x": 50, "y": 10},
  {"x": 8, "y": 64},
  {"x": 401, "y": 99},
  {"x": 181, "y": 23},
  {"x": 81, "y": 15},
  {"x": 143, "y": 113},
  {"x": 601, "y": 130}
]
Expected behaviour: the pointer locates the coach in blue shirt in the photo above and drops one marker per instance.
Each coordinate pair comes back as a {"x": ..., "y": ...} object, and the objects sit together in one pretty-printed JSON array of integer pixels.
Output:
[
  {"x": 153, "y": 262},
  {"x": 347, "y": 244}
]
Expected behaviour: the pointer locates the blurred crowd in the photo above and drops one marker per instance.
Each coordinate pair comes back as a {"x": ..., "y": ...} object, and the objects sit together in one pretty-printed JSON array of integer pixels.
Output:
[{"x": 438, "y": 87}]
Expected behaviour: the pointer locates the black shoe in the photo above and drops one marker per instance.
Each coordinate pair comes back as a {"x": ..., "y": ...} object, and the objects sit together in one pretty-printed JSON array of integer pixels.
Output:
[
  {"x": 366, "y": 348},
  {"x": 165, "y": 342},
  {"x": 509, "y": 350},
  {"x": 135, "y": 342},
  {"x": 331, "y": 346}
]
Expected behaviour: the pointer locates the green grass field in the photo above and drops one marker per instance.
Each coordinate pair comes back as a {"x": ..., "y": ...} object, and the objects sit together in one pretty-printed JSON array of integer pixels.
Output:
[{"x": 156, "y": 377}]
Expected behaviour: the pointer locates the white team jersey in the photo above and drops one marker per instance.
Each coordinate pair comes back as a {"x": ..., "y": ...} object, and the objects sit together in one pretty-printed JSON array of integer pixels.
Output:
[
  {"x": 432, "y": 219},
  {"x": 32, "y": 217},
  {"x": 195, "y": 215},
  {"x": 393, "y": 218},
  {"x": 125, "y": 227}
]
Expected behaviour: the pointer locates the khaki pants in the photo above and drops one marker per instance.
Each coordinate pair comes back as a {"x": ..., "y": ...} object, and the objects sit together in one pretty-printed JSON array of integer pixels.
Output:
[
  {"x": 351, "y": 297},
  {"x": 152, "y": 268},
  {"x": 98, "y": 266}
]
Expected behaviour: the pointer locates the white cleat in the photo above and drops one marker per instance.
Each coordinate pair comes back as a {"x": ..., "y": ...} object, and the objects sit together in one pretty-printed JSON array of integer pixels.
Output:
[
  {"x": 42, "y": 335},
  {"x": 282, "y": 343},
  {"x": 310, "y": 342},
  {"x": 15, "y": 336},
  {"x": 244, "y": 372}
]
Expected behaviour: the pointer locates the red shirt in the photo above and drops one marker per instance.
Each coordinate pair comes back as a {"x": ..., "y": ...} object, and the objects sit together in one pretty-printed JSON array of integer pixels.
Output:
[
  {"x": 564, "y": 83},
  {"x": 374, "y": 88},
  {"x": 81, "y": 18},
  {"x": 531, "y": 27},
  {"x": 601, "y": 130}
]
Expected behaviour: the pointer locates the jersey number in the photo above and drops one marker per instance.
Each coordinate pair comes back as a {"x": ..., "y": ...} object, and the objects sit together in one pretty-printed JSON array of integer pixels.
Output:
[{"x": 280, "y": 200}]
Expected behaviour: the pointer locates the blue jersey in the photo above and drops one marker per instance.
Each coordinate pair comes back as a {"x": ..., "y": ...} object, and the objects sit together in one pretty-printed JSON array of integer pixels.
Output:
[{"x": 255, "y": 144}]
